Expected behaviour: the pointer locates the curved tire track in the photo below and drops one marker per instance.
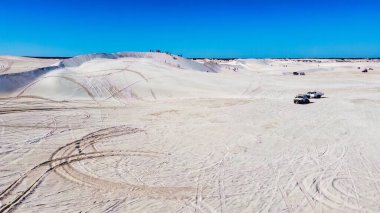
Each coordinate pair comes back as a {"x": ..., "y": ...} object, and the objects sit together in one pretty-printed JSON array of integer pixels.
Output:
[{"x": 60, "y": 163}]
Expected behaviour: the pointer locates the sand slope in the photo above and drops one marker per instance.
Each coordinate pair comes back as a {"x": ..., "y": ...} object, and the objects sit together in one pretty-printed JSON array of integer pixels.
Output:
[
  {"x": 12, "y": 64},
  {"x": 129, "y": 132}
]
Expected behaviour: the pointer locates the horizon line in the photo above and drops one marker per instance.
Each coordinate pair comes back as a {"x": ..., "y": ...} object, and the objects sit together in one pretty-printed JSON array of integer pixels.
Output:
[{"x": 223, "y": 58}]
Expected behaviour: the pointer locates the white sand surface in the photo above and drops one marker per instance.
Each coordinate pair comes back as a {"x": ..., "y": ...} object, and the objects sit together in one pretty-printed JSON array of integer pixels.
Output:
[
  {"x": 143, "y": 132},
  {"x": 13, "y": 64}
]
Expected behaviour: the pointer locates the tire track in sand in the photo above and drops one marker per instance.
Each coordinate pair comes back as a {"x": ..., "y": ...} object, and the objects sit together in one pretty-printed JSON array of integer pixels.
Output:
[{"x": 61, "y": 159}]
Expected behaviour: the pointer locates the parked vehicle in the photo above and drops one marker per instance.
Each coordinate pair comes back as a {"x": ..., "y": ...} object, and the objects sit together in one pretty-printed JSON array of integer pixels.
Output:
[
  {"x": 295, "y": 73},
  {"x": 314, "y": 94},
  {"x": 302, "y": 73},
  {"x": 365, "y": 70},
  {"x": 301, "y": 99}
]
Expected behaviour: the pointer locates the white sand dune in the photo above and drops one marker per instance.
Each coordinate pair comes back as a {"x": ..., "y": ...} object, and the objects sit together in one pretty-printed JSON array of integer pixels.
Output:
[
  {"x": 123, "y": 76},
  {"x": 13, "y": 64},
  {"x": 172, "y": 60},
  {"x": 152, "y": 132}
]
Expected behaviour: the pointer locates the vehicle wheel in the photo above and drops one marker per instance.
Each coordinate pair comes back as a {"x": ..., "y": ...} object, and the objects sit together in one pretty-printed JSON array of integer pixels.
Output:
[
  {"x": 307, "y": 101},
  {"x": 295, "y": 102}
]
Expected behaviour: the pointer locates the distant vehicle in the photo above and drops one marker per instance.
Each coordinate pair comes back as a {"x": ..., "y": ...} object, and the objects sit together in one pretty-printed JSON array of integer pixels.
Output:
[
  {"x": 301, "y": 99},
  {"x": 370, "y": 69},
  {"x": 302, "y": 73},
  {"x": 314, "y": 94},
  {"x": 295, "y": 73},
  {"x": 365, "y": 70}
]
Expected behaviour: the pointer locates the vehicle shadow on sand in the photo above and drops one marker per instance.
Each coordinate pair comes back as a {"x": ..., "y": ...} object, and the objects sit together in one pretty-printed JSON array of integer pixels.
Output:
[{"x": 311, "y": 102}]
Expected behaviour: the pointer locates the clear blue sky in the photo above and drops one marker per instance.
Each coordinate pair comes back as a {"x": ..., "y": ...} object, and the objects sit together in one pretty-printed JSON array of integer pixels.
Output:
[{"x": 235, "y": 28}]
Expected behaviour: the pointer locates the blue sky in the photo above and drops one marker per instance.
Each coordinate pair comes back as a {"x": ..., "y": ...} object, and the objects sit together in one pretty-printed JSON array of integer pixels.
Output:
[{"x": 238, "y": 28}]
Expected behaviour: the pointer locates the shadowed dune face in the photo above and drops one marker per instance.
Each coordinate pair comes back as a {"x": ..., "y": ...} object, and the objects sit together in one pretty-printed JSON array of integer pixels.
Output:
[
  {"x": 134, "y": 132},
  {"x": 14, "y": 82}
]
